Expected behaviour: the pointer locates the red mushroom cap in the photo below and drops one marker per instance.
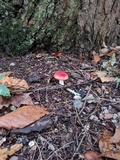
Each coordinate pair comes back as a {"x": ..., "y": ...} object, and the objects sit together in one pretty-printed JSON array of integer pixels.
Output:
[{"x": 60, "y": 75}]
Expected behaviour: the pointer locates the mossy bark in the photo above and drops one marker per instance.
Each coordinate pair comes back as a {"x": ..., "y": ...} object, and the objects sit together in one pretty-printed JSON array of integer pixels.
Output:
[{"x": 70, "y": 25}]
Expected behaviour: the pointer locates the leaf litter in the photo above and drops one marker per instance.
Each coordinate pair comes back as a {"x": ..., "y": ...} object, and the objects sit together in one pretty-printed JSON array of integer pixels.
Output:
[{"x": 63, "y": 127}]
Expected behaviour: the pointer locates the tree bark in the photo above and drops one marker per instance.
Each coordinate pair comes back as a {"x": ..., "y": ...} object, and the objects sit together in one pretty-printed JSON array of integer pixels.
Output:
[{"x": 70, "y": 25}]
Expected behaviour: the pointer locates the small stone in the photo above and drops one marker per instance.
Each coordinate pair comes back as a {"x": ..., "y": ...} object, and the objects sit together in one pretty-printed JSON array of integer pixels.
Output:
[
  {"x": 78, "y": 104},
  {"x": 114, "y": 121},
  {"x": 77, "y": 97},
  {"x": 90, "y": 98},
  {"x": 51, "y": 147},
  {"x": 12, "y": 64},
  {"x": 31, "y": 143},
  {"x": 14, "y": 158},
  {"x": 115, "y": 116},
  {"x": 12, "y": 108},
  {"x": 93, "y": 117}
]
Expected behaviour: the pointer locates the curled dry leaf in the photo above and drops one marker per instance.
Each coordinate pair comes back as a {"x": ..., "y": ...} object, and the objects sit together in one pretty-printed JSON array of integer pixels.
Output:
[
  {"x": 110, "y": 146},
  {"x": 92, "y": 155},
  {"x": 104, "y": 76},
  {"x": 22, "y": 117},
  {"x": 16, "y": 100},
  {"x": 14, "y": 83},
  {"x": 4, "y": 153}
]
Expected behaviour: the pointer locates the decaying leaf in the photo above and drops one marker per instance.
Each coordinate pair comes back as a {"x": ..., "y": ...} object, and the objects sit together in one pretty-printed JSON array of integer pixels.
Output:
[
  {"x": 92, "y": 155},
  {"x": 16, "y": 100},
  {"x": 96, "y": 58},
  {"x": 57, "y": 54},
  {"x": 116, "y": 137},
  {"x": 110, "y": 146},
  {"x": 104, "y": 76},
  {"x": 5, "y": 152},
  {"x": 22, "y": 117},
  {"x": 6, "y": 73},
  {"x": 14, "y": 83}
]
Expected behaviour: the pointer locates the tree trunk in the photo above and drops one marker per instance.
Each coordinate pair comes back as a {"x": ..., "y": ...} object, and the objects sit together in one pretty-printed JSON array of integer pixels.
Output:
[{"x": 70, "y": 25}]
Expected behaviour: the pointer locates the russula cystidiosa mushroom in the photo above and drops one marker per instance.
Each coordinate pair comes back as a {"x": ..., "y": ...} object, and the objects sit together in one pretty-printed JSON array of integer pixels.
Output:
[{"x": 61, "y": 76}]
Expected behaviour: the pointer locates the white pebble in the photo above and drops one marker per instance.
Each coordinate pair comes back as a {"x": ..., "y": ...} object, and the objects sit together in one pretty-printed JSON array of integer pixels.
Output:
[
  {"x": 31, "y": 143},
  {"x": 12, "y": 64}
]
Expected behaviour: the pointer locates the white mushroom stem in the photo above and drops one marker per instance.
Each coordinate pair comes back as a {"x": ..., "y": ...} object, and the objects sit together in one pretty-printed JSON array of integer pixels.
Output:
[{"x": 61, "y": 82}]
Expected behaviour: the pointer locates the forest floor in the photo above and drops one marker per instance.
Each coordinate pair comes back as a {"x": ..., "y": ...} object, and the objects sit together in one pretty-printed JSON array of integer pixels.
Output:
[{"x": 74, "y": 130}]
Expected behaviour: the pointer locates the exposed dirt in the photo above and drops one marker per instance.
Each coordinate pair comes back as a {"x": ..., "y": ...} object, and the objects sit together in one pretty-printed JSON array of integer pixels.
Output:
[{"x": 73, "y": 130}]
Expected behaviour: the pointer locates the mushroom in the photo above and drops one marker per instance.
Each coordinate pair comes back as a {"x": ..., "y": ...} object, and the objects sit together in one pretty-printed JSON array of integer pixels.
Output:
[{"x": 61, "y": 76}]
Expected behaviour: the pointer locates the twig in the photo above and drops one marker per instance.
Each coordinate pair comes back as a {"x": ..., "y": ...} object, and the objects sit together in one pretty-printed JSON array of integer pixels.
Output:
[
  {"x": 58, "y": 87},
  {"x": 85, "y": 100},
  {"x": 59, "y": 149}
]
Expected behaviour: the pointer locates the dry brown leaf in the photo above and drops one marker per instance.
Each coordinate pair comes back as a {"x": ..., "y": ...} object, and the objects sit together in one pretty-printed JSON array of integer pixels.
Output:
[
  {"x": 109, "y": 147},
  {"x": 104, "y": 76},
  {"x": 19, "y": 84},
  {"x": 6, "y": 80},
  {"x": 57, "y": 54},
  {"x": 4, "y": 153},
  {"x": 116, "y": 137},
  {"x": 22, "y": 117},
  {"x": 5, "y": 73},
  {"x": 96, "y": 58},
  {"x": 104, "y": 143},
  {"x": 14, "y": 83},
  {"x": 92, "y": 155},
  {"x": 113, "y": 155},
  {"x": 16, "y": 100}
]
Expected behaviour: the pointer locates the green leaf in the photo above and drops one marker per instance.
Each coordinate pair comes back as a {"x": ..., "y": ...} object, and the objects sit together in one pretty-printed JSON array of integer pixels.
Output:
[
  {"x": 117, "y": 79},
  {"x": 2, "y": 76},
  {"x": 4, "y": 91}
]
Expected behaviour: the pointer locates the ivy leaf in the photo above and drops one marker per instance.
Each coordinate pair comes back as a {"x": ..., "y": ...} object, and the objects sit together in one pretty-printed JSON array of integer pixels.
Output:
[{"x": 4, "y": 91}]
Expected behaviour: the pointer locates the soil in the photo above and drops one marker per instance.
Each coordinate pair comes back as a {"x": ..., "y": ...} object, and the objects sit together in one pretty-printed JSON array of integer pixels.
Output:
[{"x": 73, "y": 131}]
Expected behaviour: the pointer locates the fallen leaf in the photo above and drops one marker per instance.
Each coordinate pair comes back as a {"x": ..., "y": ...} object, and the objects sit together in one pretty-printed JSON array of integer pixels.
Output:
[
  {"x": 92, "y": 155},
  {"x": 57, "y": 54},
  {"x": 5, "y": 152},
  {"x": 116, "y": 137},
  {"x": 14, "y": 83},
  {"x": 22, "y": 117},
  {"x": 96, "y": 58},
  {"x": 108, "y": 145},
  {"x": 16, "y": 100},
  {"x": 104, "y": 76},
  {"x": 81, "y": 57},
  {"x": 5, "y": 73},
  {"x": 6, "y": 81},
  {"x": 40, "y": 125}
]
